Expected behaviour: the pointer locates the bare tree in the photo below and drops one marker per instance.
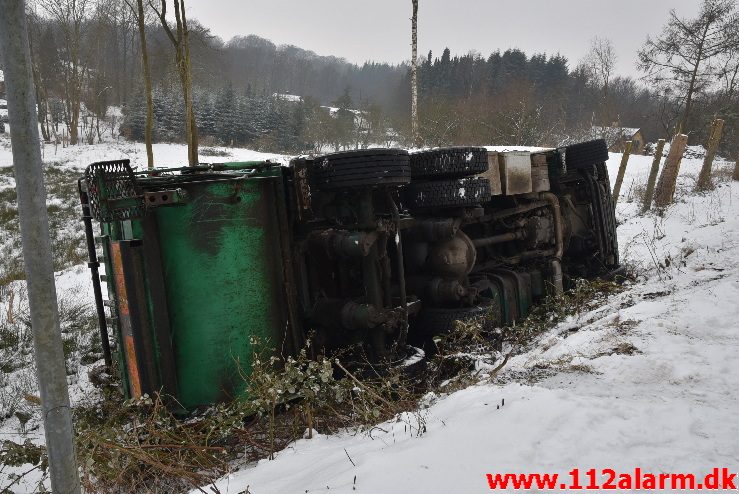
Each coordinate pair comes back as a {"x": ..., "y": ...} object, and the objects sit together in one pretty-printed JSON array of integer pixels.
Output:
[
  {"x": 686, "y": 54},
  {"x": 34, "y": 34},
  {"x": 599, "y": 64},
  {"x": 181, "y": 42},
  {"x": 97, "y": 88},
  {"x": 414, "y": 75},
  {"x": 71, "y": 17},
  {"x": 140, "y": 15}
]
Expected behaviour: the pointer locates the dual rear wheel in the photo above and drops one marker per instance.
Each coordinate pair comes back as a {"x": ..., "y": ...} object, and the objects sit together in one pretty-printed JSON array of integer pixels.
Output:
[{"x": 434, "y": 179}]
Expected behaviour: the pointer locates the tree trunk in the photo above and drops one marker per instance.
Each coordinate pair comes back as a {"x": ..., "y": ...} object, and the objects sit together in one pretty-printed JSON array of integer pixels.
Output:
[
  {"x": 736, "y": 170},
  {"x": 181, "y": 44},
  {"x": 124, "y": 71},
  {"x": 192, "y": 127},
  {"x": 42, "y": 109},
  {"x": 414, "y": 75},
  {"x": 649, "y": 193},
  {"x": 40, "y": 96},
  {"x": 74, "y": 121},
  {"x": 691, "y": 88},
  {"x": 45, "y": 124},
  {"x": 704, "y": 178},
  {"x": 621, "y": 171},
  {"x": 148, "y": 133},
  {"x": 75, "y": 93},
  {"x": 668, "y": 179}
]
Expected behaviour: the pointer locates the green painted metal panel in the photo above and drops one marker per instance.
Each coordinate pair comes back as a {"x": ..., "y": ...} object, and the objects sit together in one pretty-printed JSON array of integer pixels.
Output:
[
  {"x": 222, "y": 270},
  {"x": 222, "y": 273}
]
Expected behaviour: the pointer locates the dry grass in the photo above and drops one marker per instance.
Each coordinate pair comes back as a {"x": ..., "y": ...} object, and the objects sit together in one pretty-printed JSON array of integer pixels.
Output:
[
  {"x": 63, "y": 209},
  {"x": 142, "y": 447}
]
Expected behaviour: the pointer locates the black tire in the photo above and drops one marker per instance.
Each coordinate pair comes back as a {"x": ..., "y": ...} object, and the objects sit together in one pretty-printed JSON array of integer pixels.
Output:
[
  {"x": 584, "y": 154},
  {"x": 602, "y": 171},
  {"x": 435, "y": 321},
  {"x": 449, "y": 162},
  {"x": 447, "y": 193},
  {"x": 365, "y": 168}
]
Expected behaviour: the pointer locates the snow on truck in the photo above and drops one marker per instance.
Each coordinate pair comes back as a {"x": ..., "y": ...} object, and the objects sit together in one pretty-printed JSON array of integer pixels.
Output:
[{"x": 377, "y": 250}]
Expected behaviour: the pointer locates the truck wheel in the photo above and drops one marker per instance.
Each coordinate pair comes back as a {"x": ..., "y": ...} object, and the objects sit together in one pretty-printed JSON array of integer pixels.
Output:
[
  {"x": 447, "y": 193},
  {"x": 432, "y": 321},
  {"x": 368, "y": 167},
  {"x": 437, "y": 321},
  {"x": 449, "y": 162},
  {"x": 584, "y": 154}
]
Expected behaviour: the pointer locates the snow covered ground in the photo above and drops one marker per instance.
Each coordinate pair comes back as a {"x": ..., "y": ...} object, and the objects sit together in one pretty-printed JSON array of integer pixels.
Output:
[
  {"x": 165, "y": 155},
  {"x": 650, "y": 380}
]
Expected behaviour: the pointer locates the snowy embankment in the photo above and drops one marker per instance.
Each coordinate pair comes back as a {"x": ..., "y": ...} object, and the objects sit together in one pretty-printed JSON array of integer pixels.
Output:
[{"x": 649, "y": 380}]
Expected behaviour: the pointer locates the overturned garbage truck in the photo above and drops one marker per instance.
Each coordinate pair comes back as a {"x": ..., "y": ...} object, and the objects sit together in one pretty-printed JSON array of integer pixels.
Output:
[{"x": 374, "y": 250}]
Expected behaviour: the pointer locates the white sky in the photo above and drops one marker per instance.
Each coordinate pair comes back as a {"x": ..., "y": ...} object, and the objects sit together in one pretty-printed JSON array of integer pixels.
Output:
[{"x": 380, "y": 29}]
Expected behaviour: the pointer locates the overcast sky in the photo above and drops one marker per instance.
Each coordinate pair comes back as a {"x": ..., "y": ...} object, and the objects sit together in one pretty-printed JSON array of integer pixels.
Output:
[{"x": 380, "y": 29}]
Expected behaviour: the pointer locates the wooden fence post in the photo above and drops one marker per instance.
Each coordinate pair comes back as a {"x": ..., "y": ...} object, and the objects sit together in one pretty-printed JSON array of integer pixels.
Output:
[
  {"x": 622, "y": 171},
  {"x": 665, "y": 192},
  {"x": 704, "y": 178},
  {"x": 649, "y": 193}
]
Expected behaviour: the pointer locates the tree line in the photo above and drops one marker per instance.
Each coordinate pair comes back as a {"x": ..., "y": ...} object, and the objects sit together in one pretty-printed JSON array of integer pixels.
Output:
[{"x": 88, "y": 57}]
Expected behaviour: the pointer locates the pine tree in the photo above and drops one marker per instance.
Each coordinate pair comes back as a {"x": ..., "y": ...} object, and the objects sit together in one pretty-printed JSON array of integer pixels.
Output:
[
  {"x": 344, "y": 121},
  {"x": 205, "y": 110},
  {"x": 226, "y": 115},
  {"x": 134, "y": 123}
]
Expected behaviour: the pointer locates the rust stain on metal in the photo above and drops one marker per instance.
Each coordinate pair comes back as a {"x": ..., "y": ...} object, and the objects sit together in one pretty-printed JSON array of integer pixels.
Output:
[
  {"x": 133, "y": 369},
  {"x": 124, "y": 315},
  {"x": 302, "y": 188},
  {"x": 120, "y": 285}
]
